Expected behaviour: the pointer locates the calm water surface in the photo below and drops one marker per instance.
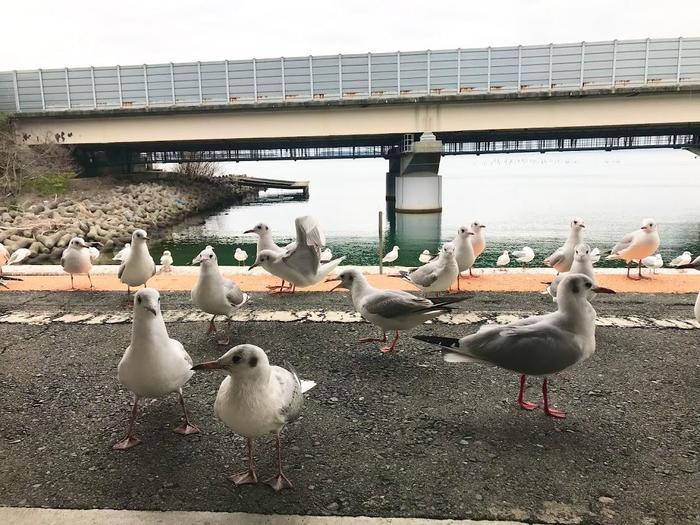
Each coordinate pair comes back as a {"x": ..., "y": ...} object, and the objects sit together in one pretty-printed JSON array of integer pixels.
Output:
[{"x": 523, "y": 199}]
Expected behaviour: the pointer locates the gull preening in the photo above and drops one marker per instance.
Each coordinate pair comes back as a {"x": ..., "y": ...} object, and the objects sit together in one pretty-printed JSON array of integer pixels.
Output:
[
  {"x": 153, "y": 365},
  {"x": 563, "y": 257},
  {"x": 77, "y": 259},
  {"x": 636, "y": 245},
  {"x": 524, "y": 256},
  {"x": 541, "y": 345},
  {"x": 464, "y": 251},
  {"x": 138, "y": 267},
  {"x": 240, "y": 255},
  {"x": 582, "y": 264},
  {"x": 300, "y": 265},
  {"x": 256, "y": 399},
  {"x": 390, "y": 309},
  {"x": 653, "y": 262},
  {"x": 478, "y": 240},
  {"x": 166, "y": 261},
  {"x": 437, "y": 275},
  {"x": 503, "y": 260},
  {"x": 215, "y": 295},
  {"x": 425, "y": 257},
  {"x": 391, "y": 256},
  {"x": 682, "y": 259}
]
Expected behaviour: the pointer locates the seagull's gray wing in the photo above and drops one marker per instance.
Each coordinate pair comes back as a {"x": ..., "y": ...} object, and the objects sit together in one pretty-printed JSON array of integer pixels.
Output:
[
  {"x": 309, "y": 231},
  {"x": 556, "y": 257},
  {"x": 425, "y": 275},
  {"x": 395, "y": 303},
  {"x": 121, "y": 270},
  {"x": 234, "y": 295},
  {"x": 624, "y": 243},
  {"x": 290, "y": 386},
  {"x": 305, "y": 257}
]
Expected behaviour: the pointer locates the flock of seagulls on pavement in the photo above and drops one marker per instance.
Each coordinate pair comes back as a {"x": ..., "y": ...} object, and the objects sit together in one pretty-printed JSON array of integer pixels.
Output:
[{"x": 257, "y": 398}]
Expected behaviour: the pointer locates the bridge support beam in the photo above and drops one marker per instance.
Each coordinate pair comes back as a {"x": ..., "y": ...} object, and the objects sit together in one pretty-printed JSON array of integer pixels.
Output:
[
  {"x": 391, "y": 176},
  {"x": 418, "y": 186}
]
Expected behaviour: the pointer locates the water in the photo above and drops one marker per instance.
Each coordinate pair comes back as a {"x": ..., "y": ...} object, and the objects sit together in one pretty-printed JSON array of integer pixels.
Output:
[{"x": 526, "y": 199}]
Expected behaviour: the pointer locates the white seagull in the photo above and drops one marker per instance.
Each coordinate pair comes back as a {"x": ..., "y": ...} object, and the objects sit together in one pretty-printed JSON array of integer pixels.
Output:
[
  {"x": 77, "y": 259},
  {"x": 390, "y": 309},
  {"x": 265, "y": 242},
  {"x": 19, "y": 256},
  {"x": 478, "y": 240},
  {"x": 464, "y": 251},
  {"x": 582, "y": 264},
  {"x": 696, "y": 310},
  {"x": 503, "y": 260},
  {"x": 524, "y": 256},
  {"x": 563, "y": 257},
  {"x": 301, "y": 265},
  {"x": 257, "y": 399},
  {"x": 682, "y": 259},
  {"x": 123, "y": 254},
  {"x": 326, "y": 255},
  {"x": 541, "y": 345},
  {"x": 595, "y": 255},
  {"x": 694, "y": 264},
  {"x": 153, "y": 365},
  {"x": 636, "y": 245},
  {"x": 240, "y": 256},
  {"x": 391, "y": 256},
  {"x": 425, "y": 257},
  {"x": 215, "y": 295},
  {"x": 4, "y": 257},
  {"x": 437, "y": 275},
  {"x": 166, "y": 261},
  {"x": 139, "y": 267},
  {"x": 653, "y": 262}
]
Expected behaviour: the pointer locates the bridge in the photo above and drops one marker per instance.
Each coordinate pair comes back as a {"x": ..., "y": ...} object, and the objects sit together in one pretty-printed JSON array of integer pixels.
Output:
[
  {"x": 554, "y": 97},
  {"x": 265, "y": 184}
]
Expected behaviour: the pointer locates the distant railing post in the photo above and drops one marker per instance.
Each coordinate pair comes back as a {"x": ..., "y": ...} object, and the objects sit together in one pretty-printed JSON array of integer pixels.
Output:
[
  {"x": 284, "y": 86},
  {"x": 228, "y": 88},
  {"x": 459, "y": 70},
  {"x": 94, "y": 90},
  {"x": 311, "y": 76},
  {"x": 488, "y": 69},
  {"x": 520, "y": 66},
  {"x": 680, "y": 55},
  {"x": 646, "y": 62},
  {"x": 145, "y": 85},
  {"x": 614, "y": 66},
  {"x": 398, "y": 73},
  {"x": 583, "y": 61},
  {"x": 381, "y": 241},
  {"x": 428, "y": 72},
  {"x": 119, "y": 86},
  {"x": 41, "y": 89},
  {"x": 551, "y": 67},
  {"x": 172, "y": 82},
  {"x": 369, "y": 75},
  {"x": 16, "y": 86},
  {"x": 340, "y": 76},
  {"x": 255, "y": 81},
  {"x": 199, "y": 82}
]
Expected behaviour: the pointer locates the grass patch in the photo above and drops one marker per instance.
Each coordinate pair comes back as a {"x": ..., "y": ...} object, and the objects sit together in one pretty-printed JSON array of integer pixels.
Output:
[{"x": 53, "y": 183}]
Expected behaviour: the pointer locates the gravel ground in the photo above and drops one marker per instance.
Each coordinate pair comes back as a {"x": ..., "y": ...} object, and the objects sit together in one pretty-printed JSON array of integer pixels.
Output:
[{"x": 381, "y": 435}]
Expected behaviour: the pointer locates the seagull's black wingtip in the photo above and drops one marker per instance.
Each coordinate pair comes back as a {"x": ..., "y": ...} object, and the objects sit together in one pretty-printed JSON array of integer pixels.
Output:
[{"x": 445, "y": 342}]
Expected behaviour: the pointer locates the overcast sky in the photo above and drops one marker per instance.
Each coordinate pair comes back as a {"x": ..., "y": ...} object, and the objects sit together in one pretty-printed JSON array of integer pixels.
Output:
[{"x": 53, "y": 33}]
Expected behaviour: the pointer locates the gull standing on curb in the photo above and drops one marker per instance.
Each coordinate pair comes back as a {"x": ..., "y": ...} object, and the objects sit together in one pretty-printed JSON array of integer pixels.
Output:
[
  {"x": 390, "y": 309},
  {"x": 563, "y": 257},
  {"x": 464, "y": 251},
  {"x": 300, "y": 265},
  {"x": 682, "y": 259},
  {"x": 240, "y": 256},
  {"x": 541, "y": 345},
  {"x": 653, "y": 262},
  {"x": 215, "y": 295},
  {"x": 636, "y": 245},
  {"x": 694, "y": 264},
  {"x": 524, "y": 256},
  {"x": 265, "y": 242},
  {"x": 437, "y": 275},
  {"x": 138, "y": 267},
  {"x": 153, "y": 365},
  {"x": 478, "y": 240},
  {"x": 257, "y": 399},
  {"x": 166, "y": 261},
  {"x": 582, "y": 264},
  {"x": 503, "y": 260},
  {"x": 425, "y": 257},
  {"x": 391, "y": 257},
  {"x": 77, "y": 259}
]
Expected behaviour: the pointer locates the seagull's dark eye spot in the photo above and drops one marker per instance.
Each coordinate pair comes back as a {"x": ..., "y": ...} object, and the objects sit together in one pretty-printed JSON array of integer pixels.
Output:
[
  {"x": 350, "y": 278},
  {"x": 211, "y": 256},
  {"x": 253, "y": 362},
  {"x": 236, "y": 358},
  {"x": 138, "y": 299},
  {"x": 574, "y": 288},
  {"x": 588, "y": 285}
]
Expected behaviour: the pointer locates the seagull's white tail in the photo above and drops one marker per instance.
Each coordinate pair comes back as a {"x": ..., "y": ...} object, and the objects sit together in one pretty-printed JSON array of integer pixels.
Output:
[
  {"x": 327, "y": 268},
  {"x": 612, "y": 257},
  {"x": 307, "y": 385},
  {"x": 453, "y": 357}
]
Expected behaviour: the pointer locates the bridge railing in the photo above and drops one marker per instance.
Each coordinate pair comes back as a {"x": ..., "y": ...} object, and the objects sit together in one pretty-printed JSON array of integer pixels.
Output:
[{"x": 492, "y": 70}]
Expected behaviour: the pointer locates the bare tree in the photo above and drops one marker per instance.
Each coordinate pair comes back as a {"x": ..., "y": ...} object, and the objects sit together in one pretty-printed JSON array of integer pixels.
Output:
[{"x": 196, "y": 166}]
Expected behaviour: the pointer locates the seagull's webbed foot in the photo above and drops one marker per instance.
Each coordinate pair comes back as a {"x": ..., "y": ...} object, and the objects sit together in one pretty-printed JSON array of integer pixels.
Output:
[
  {"x": 279, "y": 482},
  {"x": 244, "y": 478},
  {"x": 212, "y": 326},
  {"x": 553, "y": 412},
  {"x": 127, "y": 443},
  {"x": 392, "y": 347},
  {"x": 372, "y": 339},
  {"x": 186, "y": 429},
  {"x": 525, "y": 405}
]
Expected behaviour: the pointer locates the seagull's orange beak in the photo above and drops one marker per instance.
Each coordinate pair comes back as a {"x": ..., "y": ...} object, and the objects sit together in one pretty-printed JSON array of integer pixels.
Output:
[
  {"x": 209, "y": 365},
  {"x": 339, "y": 285},
  {"x": 601, "y": 289}
]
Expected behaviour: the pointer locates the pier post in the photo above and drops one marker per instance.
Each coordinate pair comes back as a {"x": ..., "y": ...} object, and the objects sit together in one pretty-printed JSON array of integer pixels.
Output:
[
  {"x": 419, "y": 186},
  {"x": 391, "y": 175}
]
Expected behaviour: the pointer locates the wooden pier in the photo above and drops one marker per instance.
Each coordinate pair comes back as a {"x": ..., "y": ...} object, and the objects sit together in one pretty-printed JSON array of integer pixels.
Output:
[{"x": 264, "y": 184}]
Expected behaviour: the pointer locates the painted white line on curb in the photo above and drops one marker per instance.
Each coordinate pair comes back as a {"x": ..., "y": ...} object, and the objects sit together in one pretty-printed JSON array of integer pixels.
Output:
[
  {"x": 322, "y": 316},
  {"x": 36, "y": 516}
]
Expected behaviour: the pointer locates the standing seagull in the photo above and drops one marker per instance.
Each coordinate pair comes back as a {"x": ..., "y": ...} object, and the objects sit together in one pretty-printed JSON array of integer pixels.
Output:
[
  {"x": 256, "y": 399},
  {"x": 77, "y": 259},
  {"x": 391, "y": 257},
  {"x": 541, "y": 345},
  {"x": 478, "y": 240},
  {"x": 696, "y": 310},
  {"x": 240, "y": 256},
  {"x": 524, "y": 256},
  {"x": 464, "y": 251},
  {"x": 4, "y": 256},
  {"x": 265, "y": 242},
  {"x": 138, "y": 267},
  {"x": 300, "y": 265},
  {"x": 215, "y": 295},
  {"x": 503, "y": 260},
  {"x": 682, "y": 259},
  {"x": 582, "y": 264},
  {"x": 563, "y": 257},
  {"x": 425, "y": 257},
  {"x": 636, "y": 245},
  {"x": 153, "y": 365},
  {"x": 390, "y": 309},
  {"x": 437, "y": 275},
  {"x": 653, "y": 262},
  {"x": 166, "y": 261},
  {"x": 694, "y": 264}
]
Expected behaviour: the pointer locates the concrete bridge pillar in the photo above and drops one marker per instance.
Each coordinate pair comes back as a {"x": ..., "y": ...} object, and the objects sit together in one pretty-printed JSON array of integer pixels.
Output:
[
  {"x": 391, "y": 175},
  {"x": 418, "y": 186}
]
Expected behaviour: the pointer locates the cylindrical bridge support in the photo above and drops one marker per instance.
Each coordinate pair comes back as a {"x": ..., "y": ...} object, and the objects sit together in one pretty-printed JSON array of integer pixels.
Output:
[
  {"x": 419, "y": 187},
  {"x": 391, "y": 176}
]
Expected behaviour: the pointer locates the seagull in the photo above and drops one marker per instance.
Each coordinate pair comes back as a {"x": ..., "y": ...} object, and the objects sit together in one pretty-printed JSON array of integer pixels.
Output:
[
  {"x": 391, "y": 256},
  {"x": 257, "y": 399},
  {"x": 503, "y": 260},
  {"x": 636, "y": 245},
  {"x": 582, "y": 264},
  {"x": 540, "y": 345},
  {"x": 153, "y": 365},
  {"x": 595, "y": 255},
  {"x": 524, "y": 256},
  {"x": 166, "y": 261},
  {"x": 301, "y": 265},
  {"x": 479, "y": 239},
  {"x": 265, "y": 242},
  {"x": 326, "y": 255},
  {"x": 198, "y": 258},
  {"x": 437, "y": 275},
  {"x": 215, "y": 295},
  {"x": 425, "y": 256},
  {"x": 390, "y": 309},
  {"x": 464, "y": 251},
  {"x": 684, "y": 258},
  {"x": 696, "y": 310},
  {"x": 138, "y": 267},
  {"x": 4, "y": 256},
  {"x": 19, "y": 256},
  {"x": 695, "y": 264},
  {"x": 123, "y": 254},
  {"x": 563, "y": 257},
  {"x": 653, "y": 262},
  {"x": 240, "y": 256},
  {"x": 94, "y": 253},
  {"x": 77, "y": 259}
]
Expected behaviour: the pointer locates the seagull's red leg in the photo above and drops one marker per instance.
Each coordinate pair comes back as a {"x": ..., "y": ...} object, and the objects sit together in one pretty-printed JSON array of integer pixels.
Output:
[
  {"x": 72, "y": 287},
  {"x": 186, "y": 428},
  {"x": 390, "y": 348},
  {"x": 640, "y": 271},
  {"x": 280, "y": 481},
  {"x": 373, "y": 339},
  {"x": 247, "y": 476},
  {"x": 212, "y": 326},
  {"x": 526, "y": 405},
  {"x": 129, "y": 440},
  {"x": 227, "y": 340},
  {"x": 552, "y": 412},
  {"x": 92, "y": 286}
]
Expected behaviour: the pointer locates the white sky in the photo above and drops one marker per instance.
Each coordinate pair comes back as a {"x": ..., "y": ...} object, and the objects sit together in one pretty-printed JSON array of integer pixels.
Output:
[{"x": 49, "y": 33}]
